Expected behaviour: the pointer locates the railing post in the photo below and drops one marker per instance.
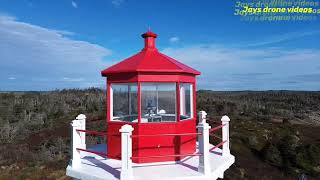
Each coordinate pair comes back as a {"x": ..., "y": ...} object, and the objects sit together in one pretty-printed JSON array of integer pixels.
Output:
[
  {"x": 76, "y": 142},
  {"x": 126, "y": 152},
  {"x": 82, "y": 119},
  {"x": 225, "y": 136},
  {"x": 203, "y": 140}
]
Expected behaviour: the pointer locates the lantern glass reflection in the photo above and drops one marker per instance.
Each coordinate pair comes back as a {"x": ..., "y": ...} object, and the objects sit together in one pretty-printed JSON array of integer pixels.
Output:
[
  {"x": 125, "y": 102},
  {"x": 158, "y": 102}
]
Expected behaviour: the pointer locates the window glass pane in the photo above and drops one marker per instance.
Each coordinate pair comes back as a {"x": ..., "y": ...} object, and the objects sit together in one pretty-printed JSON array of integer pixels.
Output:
[
  {"x": 186, "y": 101},
  {"x": 158, "y": 102},
  {"x": 125, "y": 102}
]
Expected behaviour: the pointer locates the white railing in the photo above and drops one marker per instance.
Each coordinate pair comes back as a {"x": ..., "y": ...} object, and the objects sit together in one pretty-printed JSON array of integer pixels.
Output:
[
  {"x": 126, "y": 152},
  {"x": 78, "y": 141},
  {"x": 203, "y": 141},
  {"x": 203, "y": 144}
]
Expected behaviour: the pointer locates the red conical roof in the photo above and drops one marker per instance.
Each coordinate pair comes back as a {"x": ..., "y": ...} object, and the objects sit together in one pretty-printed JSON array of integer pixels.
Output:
[{"x": 149, "y": 60}]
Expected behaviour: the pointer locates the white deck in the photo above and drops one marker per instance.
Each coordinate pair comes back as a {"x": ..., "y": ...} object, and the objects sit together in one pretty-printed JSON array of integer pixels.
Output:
[{"x": 98, "y": 167}]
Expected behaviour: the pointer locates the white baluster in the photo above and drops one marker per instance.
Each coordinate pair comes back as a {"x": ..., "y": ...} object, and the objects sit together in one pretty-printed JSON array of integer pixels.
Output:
[
  {"x": 82, "y": 119},
  {"x": 203, "y": 140},
  {"x": 126, "y": 152},
  {"x": 76, "y": 143},
  {"x": 225, "y": 136}
]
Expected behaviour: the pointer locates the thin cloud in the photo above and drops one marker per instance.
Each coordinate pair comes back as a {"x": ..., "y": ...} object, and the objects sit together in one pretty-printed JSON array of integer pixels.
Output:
[
  {"x": 117, "y": 2},
  {"x": 74, "y": 4},
  {"x": 252, "y": 74},
  {"x": 307, "y": 77},
  {"x": 229, "y": 68},
  {"x": 284, "y": 37},
  {"x": 174, "y": 39},
  {"x": 7, "y": 17},
  {"x": 68, "y": 79},
  {"x": 66, "y": 33},
  {"x": 30, "y": 51}
]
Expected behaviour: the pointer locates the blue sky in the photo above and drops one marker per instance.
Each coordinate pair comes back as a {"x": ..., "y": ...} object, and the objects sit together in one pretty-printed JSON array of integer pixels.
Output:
[{"x": 47, "y": 45}]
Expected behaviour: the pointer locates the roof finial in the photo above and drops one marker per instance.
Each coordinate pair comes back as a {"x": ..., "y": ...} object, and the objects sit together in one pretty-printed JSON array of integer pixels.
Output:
[{"x": 149, "y": 39}]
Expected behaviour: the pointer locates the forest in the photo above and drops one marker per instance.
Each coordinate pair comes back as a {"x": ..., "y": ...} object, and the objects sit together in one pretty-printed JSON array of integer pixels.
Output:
[{"x": 274, "y": 134}]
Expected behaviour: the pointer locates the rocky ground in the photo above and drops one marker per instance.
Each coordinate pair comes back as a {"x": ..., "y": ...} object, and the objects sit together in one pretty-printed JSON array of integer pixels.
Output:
[
  {"x": 274, "y": 135},
  {"x": 269, "y": 150}
]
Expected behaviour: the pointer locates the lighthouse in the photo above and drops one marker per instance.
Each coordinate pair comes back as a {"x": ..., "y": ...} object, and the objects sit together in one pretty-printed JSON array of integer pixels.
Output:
[
  {"x": 155, "y": 94},
  {"x": 153, "y": 127}
]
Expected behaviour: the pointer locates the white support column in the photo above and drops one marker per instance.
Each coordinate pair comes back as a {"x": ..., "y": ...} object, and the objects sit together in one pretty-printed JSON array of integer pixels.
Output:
[
  {"x": 76, "y": 143},
  {"x": 203, "y": 140},
  {"x": 82, "y": 119},
  {"x": 111, "y": 103},
  {"x": 191, "y": 100},
  {"x": 225, "y": 136},
  {"x": 182, "y": 100},
  {"x": 126, "y": 152}
]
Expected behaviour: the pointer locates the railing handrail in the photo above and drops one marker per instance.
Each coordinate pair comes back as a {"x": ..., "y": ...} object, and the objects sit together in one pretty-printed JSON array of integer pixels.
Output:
[
  {"x": 213, "y": 120},
  {"x": 216, "y": 128},
  {"x": 217, "y": 146},
  {"x": 148, "y": 135},
  {"x": 94, "y": 152},
  {"x": 97, "y": 132},
  {"x": 176, "y": 134},
  {"x": 215, "y": 136},
  {"x": 92, "y": 132},
  {"x": 98, "y": 153},
  {"x": 203, "y": 134},
  {"x": 152, "y": 135},
  {"x": 169, "y": 155}
]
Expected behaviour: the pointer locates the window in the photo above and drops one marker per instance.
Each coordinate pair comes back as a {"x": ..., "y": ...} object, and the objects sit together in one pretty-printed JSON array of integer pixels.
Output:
[
  {"x": 186, "y": 101},
  {"x": 158, "y": 102},
  {"x": 125, "y": 102}
]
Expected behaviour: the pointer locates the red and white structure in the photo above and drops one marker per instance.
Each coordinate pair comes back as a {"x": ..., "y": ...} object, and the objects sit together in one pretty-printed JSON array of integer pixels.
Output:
[{"x": 151, "y": 125}]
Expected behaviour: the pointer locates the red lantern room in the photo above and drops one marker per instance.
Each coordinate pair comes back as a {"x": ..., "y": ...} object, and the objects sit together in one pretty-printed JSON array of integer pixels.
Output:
[{"x": 156, "y": 95}]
